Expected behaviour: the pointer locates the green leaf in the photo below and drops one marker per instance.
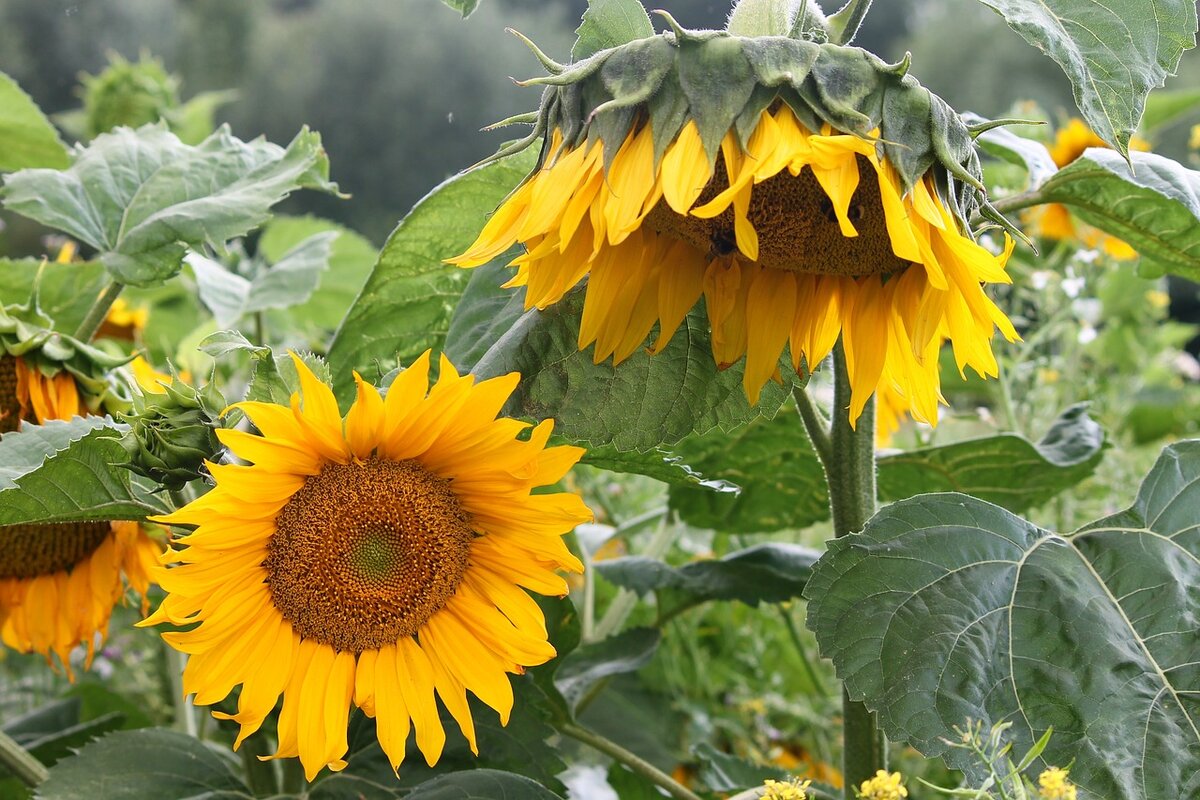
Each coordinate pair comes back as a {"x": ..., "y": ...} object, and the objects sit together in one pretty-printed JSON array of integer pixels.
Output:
[
  {"x": 481, "y": 784},
  {"x": 610, "y": 23},
  {"x": 350, "y": 262},
  {"x": 68, "y": 472},
  {"x": 628, "y": 651},
  {"x": 406, "y": 306},
  {"x": 1155, "y": 208},
  {"x": 27, "y": 139},
  {"x": 65, "y": 291},
  {"x": 1114, "y": 52},
  {"x": 193, "y": 121},
  {"x": 773, "y": 572},
  {"x": 762, "y": 18},
  {"x": 658, "y": 464},
  {"x": 286, "y": 283},
  {"x": 1006, "y": 469},
  {"x": 947, "y": 608},
  {"x": 629, "y": 785},
  {"x": 141, "y": 198},
  {"x": 464, "y": 7},
  {"x": 484, "y": 313},
  {"x": 152, "y": 762},
  {"x": 1165, "y": 108},
  {"x": 780, "y": 483},
  {"x": 645, "y": 402},
  {"x": 723, "y": 772}
]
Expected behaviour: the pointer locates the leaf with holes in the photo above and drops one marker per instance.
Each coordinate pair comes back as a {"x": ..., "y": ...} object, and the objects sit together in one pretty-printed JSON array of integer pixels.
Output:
[
  {"x": 946, "y": 608},
  {"x": 1114, "y": 51}
]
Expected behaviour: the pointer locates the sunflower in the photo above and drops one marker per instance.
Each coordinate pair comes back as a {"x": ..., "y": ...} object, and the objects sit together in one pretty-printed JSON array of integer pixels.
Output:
[
  {"x": 793, "y": 231},
  {"x": 1054, "y": 220},
  {"x": 59, "y": 582},
  {"x": 373, "y": 561},
  {"x": 123, "y": 321}
]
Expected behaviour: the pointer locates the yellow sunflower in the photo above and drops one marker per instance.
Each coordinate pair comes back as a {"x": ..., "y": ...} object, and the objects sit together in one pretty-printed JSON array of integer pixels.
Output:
[
  {"x": 60, "y": 582},
  {"x": 372, "y": 561},
  {"x": 123, "y": 321},
  {"x": 798, "y": 238},
  {"x": 1054, "y": 220}
]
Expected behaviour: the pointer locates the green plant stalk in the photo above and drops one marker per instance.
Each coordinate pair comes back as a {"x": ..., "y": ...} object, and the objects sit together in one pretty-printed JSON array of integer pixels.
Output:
[
  {"x": 99, "y": 310},
  {"x": 185, "y": 716},
  {"x": 623, "y": 756},
  {"x": 20, "y": 762},
  {"x": 292, "y": 780},
  {"x": 849, "y": 463},
  {"x": 260, "y": 775}
]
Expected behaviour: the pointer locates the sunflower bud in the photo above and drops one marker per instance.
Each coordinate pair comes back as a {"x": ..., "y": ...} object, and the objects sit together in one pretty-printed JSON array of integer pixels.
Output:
[
  {"x": 173, "y": 432},
  {"x": 128, "y": 93}
]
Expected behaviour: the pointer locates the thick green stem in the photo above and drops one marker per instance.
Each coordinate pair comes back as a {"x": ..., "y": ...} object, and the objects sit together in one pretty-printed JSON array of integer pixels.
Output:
[
  {"x": 623, "y": 756},
  {"x": 851, "y": 475},
  {"x": 260, "y": 775},
  {"x": 99, "y": 310},
  {"x": 20, "y": 762}
]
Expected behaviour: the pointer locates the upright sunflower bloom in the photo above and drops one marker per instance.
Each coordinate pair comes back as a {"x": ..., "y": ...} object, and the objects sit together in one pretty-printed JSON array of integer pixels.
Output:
[
  {"x": 375, "y": 561},
  {"x": 806, "y": 191},
  {"x": 60, "y": 582}
]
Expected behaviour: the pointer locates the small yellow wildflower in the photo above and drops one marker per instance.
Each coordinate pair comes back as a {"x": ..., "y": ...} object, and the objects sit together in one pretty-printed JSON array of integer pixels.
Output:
[
  {"x": 1194, "y": 138},
  {"x": 1158, "y": 299},
  {"x": 1054, "y": 785},
  {"x": 1048, "y": 375},
  {"x": 883, "y": 787},
  {"x": 792, "y": 790}
]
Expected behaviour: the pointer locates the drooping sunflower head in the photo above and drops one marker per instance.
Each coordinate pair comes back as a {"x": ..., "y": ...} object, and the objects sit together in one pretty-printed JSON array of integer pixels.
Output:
[
  {"x": 806, "y": 190},
  {"x": 376, "y": 560}
]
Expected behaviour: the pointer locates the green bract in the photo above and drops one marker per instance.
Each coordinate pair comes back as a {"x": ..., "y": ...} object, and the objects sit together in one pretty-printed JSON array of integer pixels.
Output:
[
  {"x": 173, "y": 433},
  {"x": 724, "y": 82}
]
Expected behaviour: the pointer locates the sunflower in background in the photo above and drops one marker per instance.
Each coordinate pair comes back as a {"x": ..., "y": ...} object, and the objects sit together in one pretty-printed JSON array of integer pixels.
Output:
[
  {"x": 377, "y": 560},
  {"x": 59, "y": 582},
  {"x": 805, "y": 191},
  {"x": 1054, "y": 220}
]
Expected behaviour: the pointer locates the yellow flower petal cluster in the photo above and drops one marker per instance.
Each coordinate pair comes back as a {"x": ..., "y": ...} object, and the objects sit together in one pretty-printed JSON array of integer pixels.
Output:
[
  {"x": 377, "y": 560},
  {"x": 789, "y": 790},
  {"x": 1053, "y": 784},
  {"x": 883, "y": 786},
  {"x": 794, "y": 240},
  {"x": 60, "y": 582}
]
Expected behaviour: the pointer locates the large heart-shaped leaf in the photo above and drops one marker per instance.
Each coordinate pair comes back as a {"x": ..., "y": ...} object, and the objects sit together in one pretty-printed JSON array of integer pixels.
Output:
[
  {"x": 645, "y": 402},
  {"x": 68, "y": 472},
  {"x": 152, "y": 762},
  {"x": 1155, "y": 207},
  {"x": 946, "y": 608},
  {"x": 142, "y": 197},
  {"x": 1114, "y": 51},
  {"x": 406, "y": 305}
]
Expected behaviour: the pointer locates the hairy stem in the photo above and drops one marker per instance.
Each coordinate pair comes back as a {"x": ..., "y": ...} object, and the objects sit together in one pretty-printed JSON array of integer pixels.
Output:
[
  {"x": 851, "y": 475},
  {"x": 99, "y": 310},
  {"x": 623, "y": 756},
  {"x": 20, "y": 762}
]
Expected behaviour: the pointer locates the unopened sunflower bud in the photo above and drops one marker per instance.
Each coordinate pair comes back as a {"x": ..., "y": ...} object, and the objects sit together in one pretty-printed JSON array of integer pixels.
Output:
[{"x": 172, "y": 433}]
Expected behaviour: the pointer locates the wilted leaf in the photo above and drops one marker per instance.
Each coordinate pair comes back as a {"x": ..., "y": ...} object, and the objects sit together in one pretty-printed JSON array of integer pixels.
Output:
[{"x": 946, "y": 608}]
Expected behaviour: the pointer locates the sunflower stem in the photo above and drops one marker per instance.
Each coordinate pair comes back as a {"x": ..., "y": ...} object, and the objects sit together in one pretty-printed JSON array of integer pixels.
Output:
[
  {"x": 20, "y": 762},
  {"x": 292, "y": 780},
  {"x": 814, "y": 424},
  {"x": 99, "y": 310},
  {"x": 851, "y": 475},
  {"x": 260, "y": 775},
  {"x": 623, "y": 756},
  {"x": 185, "y": 717}
]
